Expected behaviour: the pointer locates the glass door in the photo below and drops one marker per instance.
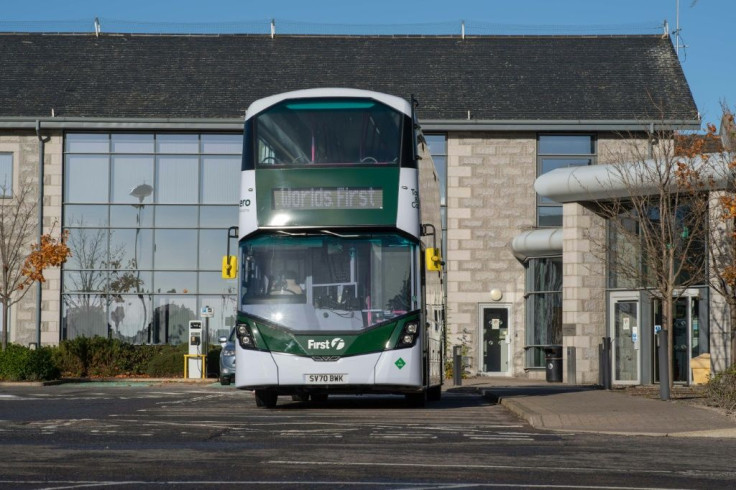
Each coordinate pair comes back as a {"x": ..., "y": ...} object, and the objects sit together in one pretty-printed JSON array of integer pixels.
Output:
[
  {"x": 625, "y": 340},
  {"x": 685, "y": 337}
]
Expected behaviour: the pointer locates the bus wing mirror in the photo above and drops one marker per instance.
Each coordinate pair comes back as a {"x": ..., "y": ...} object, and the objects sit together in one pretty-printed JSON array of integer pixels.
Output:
[
  {"x": 229, "y": 267},
  {"x": 432, "y": 259}
]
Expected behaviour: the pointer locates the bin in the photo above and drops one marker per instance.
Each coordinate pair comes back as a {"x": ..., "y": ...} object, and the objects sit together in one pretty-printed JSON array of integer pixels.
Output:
[
  {"x": 701, "y": 368},
  {"x": 553, "y": 363}
]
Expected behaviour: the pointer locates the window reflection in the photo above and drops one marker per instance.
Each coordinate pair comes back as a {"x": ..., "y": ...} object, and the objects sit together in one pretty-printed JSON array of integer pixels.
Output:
[
  {"x": 131, "y": 249},
  {"x": 171, "y": 317},
  {"x": 131, "y": 215},
  {"x": 83, "y": 315},
  {"x": 85, "y": 281},
  {"x": 176, "y": 216},
  {"x": 6, "y": 174},
  {"x": 132, "y": 143},
  {"x": 223, "y": 308},
  {"x": 128, "y": 281},
  {"x": 212, "y": 282},
  {"x": 88, "y": 248},
  {"x": 132, "y": 177},
  {"x": 86, "y": 178},
  {"x": 112, "y": 186},
  {"x": 176, "y": 249},
  {"x": 130, "y": 318},
  {"x": 543, "y": 308},
  {"x": 223, "y": 144},
  {"x": 212, "y": 248},
  {"x": 218, "y": 216},
  {"x": 87, "y": 143},
  {"x": 177, "y": 143},
  {"x": 175, "y": 282},
  {"x": 177, "y": 180},
  {"x": 85, "y": 216},
  {"x": 220, "y": 180}
]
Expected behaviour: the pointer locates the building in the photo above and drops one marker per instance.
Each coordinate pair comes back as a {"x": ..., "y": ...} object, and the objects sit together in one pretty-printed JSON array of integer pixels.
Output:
[{"x": 139, "y": 138}]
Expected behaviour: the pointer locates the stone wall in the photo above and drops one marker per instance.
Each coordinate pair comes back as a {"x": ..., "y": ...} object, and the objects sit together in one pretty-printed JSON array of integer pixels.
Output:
[
  {"x": 24, "y": 145},
  {"x": 490, "y": 200}
]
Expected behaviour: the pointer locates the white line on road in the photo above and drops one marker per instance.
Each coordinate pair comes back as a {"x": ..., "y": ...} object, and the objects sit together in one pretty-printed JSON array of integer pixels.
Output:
[{"x": 473, "y": 466}]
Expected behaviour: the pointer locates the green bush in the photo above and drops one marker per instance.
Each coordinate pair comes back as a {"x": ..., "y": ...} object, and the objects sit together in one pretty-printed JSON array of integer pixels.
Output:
[
  {"x": 18, "y": 363},
  {"x": 168, "y": 362},
  {"x": 721, "y": 389},
  {"x": 101, "y": 357},
  {"x": 98, "y": 357}
]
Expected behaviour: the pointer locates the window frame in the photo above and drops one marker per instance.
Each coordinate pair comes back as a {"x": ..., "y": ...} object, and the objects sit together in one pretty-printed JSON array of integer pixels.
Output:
[
  {"x": 533, "y": 358},
  {"x": 7, "y": 193},
  {"x": 541, "y": 157}
]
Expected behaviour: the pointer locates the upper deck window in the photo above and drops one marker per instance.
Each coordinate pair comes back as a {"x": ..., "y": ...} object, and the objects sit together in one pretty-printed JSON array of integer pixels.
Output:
[{"x": 328, "y": 132}]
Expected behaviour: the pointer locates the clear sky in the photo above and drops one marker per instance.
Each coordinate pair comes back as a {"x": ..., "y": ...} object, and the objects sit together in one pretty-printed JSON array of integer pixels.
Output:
[{"x": 707, "y": 25}]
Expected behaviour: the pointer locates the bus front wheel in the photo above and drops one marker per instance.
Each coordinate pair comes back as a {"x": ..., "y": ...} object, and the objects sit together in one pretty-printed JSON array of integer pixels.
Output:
[{"x": 266, "y": 398}]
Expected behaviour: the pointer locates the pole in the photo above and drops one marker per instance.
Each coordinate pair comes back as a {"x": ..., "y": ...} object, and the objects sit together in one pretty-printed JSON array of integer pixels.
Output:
[
  {"x": 457, "y": 365},
  {"x": 664, "y": 372}
]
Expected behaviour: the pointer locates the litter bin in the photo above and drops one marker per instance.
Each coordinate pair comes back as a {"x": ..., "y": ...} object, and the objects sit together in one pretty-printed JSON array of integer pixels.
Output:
[
  {"x": 553, "y": 363},
  {"x": 701, "y": 368}
]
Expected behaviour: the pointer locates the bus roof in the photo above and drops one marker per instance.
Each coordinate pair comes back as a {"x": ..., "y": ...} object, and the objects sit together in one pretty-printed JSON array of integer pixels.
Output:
[{"x": 392, "y": 101}]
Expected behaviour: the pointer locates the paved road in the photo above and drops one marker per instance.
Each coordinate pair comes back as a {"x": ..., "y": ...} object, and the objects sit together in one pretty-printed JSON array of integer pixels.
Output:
[{"x": 186, "y": 436}]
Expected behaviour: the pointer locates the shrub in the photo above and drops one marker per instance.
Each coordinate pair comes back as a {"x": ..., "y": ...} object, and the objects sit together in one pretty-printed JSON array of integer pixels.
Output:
[
  {"x": 101, "y": 357},
  {"x": 168, "y": 362},
  {"x": 721, "y": 389},
  {"x": 18, "y": 363}
]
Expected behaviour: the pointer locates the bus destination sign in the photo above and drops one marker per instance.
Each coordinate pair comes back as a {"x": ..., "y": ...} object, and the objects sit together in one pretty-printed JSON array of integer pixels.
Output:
[{"x": 328, "y": 198}]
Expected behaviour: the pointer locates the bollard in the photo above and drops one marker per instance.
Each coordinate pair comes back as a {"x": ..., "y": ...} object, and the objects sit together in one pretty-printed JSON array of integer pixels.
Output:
[
  {"x": 605, "y": 363},
  {"x": 664, "y": 368},
  {"x": 571, "y": 366},
  {"x": 457, "y": 365}
]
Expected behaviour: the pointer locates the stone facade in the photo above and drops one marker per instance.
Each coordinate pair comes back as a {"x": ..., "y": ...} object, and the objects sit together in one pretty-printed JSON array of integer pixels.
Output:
[
  {"x": 24, "y": 146},
  {"x": 490, "y": 199}
]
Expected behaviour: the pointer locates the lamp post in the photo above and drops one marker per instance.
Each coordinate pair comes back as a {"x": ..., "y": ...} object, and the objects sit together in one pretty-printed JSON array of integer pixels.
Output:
[{"x": 141, "y": 192}]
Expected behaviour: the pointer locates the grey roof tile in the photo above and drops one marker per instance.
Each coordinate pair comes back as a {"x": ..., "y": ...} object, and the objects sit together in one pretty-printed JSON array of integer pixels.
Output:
[{"x": 496, "y": 78}]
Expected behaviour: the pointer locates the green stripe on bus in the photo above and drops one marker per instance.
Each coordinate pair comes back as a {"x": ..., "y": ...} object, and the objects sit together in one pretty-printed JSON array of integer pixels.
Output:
[{"x": 376, "y": 339}]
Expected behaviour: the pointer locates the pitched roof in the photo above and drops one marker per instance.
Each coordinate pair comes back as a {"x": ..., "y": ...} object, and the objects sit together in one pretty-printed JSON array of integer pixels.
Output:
[{"x": 495, "y": 78}]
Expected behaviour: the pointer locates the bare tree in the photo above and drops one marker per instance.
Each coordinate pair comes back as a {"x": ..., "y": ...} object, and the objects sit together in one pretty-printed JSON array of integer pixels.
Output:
[
  {"x": 655, "y": 202},
  {"x": 21, "y": 261},
  {"x": 722, "y": 233}
]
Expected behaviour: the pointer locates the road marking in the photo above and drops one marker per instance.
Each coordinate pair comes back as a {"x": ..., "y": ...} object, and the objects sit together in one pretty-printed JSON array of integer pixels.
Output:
[
  {"x": 399, "y": 435},
  {"x": 479, "y": 467},
  {"x": 499, "y": 438}
]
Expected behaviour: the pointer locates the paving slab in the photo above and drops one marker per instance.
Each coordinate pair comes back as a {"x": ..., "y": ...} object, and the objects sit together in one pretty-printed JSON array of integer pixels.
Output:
[{"x": 589, "y": 409}]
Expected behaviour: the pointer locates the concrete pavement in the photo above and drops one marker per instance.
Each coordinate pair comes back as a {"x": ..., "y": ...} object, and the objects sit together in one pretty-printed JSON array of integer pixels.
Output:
[{"x": 559, "y": 407}]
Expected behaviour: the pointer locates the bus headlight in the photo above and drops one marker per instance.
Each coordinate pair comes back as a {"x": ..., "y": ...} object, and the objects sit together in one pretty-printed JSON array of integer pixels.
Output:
[
  {"x": 245, "y": 336},
  {"x": 409, "y": 335}
]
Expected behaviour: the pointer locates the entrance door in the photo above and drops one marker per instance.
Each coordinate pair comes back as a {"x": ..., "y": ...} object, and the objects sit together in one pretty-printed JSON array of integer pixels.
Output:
[
  {"x": 495, "y": 333},
  {"x": 685, "y": 337},
  {"x": 625, "y": 339}
]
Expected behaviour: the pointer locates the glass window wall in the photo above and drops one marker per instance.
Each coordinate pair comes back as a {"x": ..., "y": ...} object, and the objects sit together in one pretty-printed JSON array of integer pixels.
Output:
[
  {"x": 560, "y": 151},
  {"x": 543, "y": 308},
  {"x": 147, "y": 213}
]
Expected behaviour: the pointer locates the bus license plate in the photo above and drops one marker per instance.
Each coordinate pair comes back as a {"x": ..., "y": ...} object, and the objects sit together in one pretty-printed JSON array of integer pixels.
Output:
[{"x": 325, "y": 378}]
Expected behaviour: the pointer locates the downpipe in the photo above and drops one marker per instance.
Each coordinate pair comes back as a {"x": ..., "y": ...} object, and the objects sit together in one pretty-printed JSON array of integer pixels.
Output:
[{"x": 42, "y": 140}]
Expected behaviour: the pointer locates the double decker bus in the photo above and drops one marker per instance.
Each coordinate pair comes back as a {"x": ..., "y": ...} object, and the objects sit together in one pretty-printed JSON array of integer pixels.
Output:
[{"x": 340, "y": 282}]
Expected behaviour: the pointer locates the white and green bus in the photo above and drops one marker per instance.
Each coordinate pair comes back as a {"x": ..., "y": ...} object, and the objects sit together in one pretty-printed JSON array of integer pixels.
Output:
[{"x": 340, "y": 282}]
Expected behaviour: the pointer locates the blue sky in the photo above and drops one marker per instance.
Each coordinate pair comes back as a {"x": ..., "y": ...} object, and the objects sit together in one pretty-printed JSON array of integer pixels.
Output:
[{"x": 707, "y": 25}]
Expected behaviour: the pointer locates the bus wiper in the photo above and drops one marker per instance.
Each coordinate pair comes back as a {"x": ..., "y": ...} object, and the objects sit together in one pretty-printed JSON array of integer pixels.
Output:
[{"x": 328, "y": 232}]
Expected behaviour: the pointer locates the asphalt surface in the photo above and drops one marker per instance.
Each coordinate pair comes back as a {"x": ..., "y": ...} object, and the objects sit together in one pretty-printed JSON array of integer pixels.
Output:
[{"x": 182, "y": 435}]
